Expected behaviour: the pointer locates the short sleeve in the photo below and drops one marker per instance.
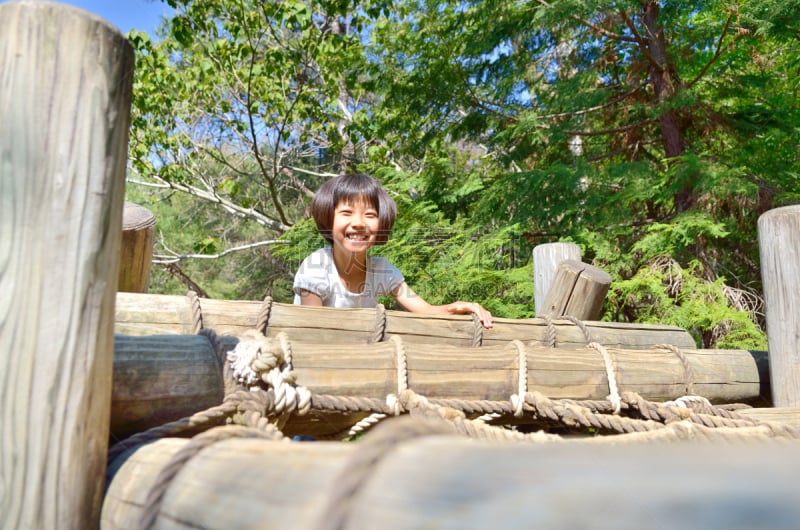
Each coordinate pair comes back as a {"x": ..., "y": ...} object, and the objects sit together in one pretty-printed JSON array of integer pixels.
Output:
[
  {"x": 312, "y": 276},
  {"x": 385, "y": 276}
]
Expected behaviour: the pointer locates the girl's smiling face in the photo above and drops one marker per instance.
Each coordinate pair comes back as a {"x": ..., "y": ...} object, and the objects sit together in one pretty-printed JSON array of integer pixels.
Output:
[{"x": 355, "y": 226}]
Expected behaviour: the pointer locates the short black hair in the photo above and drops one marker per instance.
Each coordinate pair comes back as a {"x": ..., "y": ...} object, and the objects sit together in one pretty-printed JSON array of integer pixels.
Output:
[{"x": 353, "y": 187}]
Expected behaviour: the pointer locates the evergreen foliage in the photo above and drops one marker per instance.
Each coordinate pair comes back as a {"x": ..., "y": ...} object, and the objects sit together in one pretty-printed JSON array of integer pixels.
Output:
[{"x": 653, "y": 134}]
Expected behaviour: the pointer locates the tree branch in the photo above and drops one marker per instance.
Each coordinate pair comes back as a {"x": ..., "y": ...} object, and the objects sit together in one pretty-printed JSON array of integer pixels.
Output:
[
  {"x": 641, "y": 41},
  {"x": 611, "y": 131},
  {"x": 273, "y": 191},
  {"x": 166, "y": 259},
  {"x": 211, "y": 196},
  {"x": 595, "y": 28},
  {"x": 717, "y": 52},
  {"x": 181, "y": 276},
  {"x": 592, "y": 109}
]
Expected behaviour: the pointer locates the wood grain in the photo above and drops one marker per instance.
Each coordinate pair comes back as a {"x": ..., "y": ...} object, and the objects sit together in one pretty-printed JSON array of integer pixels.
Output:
[
  {"x": 147, "y": 370},
  {"x": 151, "y": 314},
  {"x": 449, "y": 482},
  {"x": 546, "y": 258},
  {"x": 138, "y": 237},
  {"x": 779, "y": 244},
  {"x": 65, "y": 93}
]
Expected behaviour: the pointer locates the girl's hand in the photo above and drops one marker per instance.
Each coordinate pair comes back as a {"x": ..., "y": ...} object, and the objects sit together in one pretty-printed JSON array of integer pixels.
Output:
[{"x": 461, "y": 308}]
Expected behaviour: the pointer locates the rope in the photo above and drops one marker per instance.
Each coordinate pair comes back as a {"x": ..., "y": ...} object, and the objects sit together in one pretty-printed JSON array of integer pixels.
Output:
[
  {"x": 518, "y": 399},
  {"x": 357, "y": 471},
  {"x": 477, "y": 331},
  {"x": 262, "y": 323},
  {"x": 575, "y": 415},
  {"x": 197, "y": 312},
  {"x": 262, "y": 393},
  {"x": 155, "y": 496},
  {"x": 550, "y": 336},
  {"x": 402, "y": 367},
  {"x": 688, "y": 372},
  {"x": 379, "y": 331},
  {"x": 608, "y": 361},
  {"x": 587, "y": 336},
  {"x": 258, "y": 358}
]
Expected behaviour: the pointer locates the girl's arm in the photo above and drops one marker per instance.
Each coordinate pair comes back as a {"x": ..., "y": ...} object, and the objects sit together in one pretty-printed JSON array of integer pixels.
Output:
[
  {"x": 309, "y": 298},
  {"x": 414, "y": 303}
]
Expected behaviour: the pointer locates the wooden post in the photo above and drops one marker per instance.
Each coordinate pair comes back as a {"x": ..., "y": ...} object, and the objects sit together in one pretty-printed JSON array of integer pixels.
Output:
[
  {"x": 545, "y": 263},
  {"x": 578, "y": 290},
  {"x": 779, "y": 245},
  {"x": 65, "y": 94},
  {"x": 138, "y": 236}
]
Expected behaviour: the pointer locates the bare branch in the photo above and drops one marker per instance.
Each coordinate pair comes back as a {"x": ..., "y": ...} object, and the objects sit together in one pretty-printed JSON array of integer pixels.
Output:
[
  {"x": 211, "y": 196},
  {"x": 165, "y": 259},
  {"x": 273, "y": 192},
  {"x": 182, "y": 277}
]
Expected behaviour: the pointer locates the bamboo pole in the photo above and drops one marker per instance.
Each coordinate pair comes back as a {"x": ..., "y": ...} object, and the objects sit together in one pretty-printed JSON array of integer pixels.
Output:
[
  {"x": 779, "y": 245},
  {"x": 65, "y": 93}
]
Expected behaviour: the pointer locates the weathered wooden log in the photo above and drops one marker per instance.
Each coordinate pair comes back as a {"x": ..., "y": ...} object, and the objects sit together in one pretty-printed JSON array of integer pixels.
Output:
[
  {"x": 546, "y": 258},
  {"x": 158, "y": 379},
  {"x": 779, "y": 241},
  {"x": 138, "y": 236},
  {"x": 781, "y": 415},
  {"x": 150, "y": 314},
  {"x": 444, "y": 481},
  {"x": 578, "y": 290},
  {"x": 146, "y": 367},
  {"x": 65, "y": 93}
]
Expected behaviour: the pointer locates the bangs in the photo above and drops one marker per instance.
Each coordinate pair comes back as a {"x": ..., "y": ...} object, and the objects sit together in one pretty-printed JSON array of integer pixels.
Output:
[{"x": 353, "y": 189}]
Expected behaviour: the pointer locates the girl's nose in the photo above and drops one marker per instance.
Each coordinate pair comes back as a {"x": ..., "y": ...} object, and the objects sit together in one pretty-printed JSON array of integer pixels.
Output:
[{"x": 357, "y": 220}]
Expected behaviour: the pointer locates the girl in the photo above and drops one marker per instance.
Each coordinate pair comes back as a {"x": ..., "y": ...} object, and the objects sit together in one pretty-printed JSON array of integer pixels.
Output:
[{"x": 353, "y": 213}]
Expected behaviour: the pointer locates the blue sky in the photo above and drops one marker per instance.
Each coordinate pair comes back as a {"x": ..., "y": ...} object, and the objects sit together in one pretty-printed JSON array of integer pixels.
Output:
[{"x": 126, "y": 14}]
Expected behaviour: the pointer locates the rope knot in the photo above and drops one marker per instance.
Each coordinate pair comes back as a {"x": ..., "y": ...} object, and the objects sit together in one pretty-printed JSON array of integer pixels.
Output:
[{"x": 257, "y": 358}]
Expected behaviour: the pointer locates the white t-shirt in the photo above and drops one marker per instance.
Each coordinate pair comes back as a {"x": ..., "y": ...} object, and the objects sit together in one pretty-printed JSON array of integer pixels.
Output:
[{"x": 318, "y": 274}]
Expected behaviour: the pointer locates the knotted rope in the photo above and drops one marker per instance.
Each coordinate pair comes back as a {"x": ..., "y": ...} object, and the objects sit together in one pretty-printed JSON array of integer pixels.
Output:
[
  {"x": 379, "y": 332},
  {"x": 262, "y": 323},
  {"x": 197, "y": 311}
]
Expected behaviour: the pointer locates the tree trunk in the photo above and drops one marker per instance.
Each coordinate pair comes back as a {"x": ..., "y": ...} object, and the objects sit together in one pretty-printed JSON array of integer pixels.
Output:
[{"x": 666, "y": 84}]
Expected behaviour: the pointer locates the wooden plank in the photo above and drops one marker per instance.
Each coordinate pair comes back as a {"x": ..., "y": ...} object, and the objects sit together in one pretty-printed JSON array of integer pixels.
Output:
[
  {"x": 65, "y": 94},
  {"x": 451, "y": 482},
  {"x": 779, "y": 241}
]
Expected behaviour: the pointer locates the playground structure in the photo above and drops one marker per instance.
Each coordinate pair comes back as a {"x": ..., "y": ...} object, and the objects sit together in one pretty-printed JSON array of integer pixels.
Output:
[{"x": 461, "y": 417}]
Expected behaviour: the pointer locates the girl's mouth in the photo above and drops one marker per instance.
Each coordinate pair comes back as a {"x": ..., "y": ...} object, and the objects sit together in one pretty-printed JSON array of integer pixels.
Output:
[{"x": 357, "y": 237}]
